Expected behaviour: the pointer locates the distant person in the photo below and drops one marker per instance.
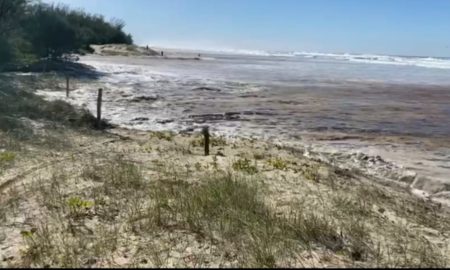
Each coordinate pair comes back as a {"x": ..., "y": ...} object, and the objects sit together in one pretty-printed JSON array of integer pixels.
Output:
[
  {"x": 162, "y": 53},
  {"x": 199, "y": 55},
  {"x": 147, "y": 48}
]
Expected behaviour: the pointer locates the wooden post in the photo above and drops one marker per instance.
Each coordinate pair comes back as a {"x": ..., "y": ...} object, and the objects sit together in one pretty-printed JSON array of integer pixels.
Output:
[
  {"x": 99, "y": 107},
  {"x": 67, "y": 86},
  {"x": 206, "y": 141}
]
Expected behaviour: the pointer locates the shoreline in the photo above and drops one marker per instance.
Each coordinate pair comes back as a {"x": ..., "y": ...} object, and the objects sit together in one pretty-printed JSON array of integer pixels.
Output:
[
  {"x": 250, "y": 203},
  {"x": 138, "y": 51},
  {"x": 351, "y": 151}
]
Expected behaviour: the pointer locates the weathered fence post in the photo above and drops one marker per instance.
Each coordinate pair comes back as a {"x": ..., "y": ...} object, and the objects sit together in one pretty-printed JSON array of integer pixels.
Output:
[
  {"x": 67, "y": 85},
  {"x": 206, "y": 142},
  {"x": 99, "y": 107}
]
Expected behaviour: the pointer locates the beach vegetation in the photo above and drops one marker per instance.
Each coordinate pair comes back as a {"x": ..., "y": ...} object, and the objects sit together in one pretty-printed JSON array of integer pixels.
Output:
[
  {"x": 245, "y": 165},
  {"x": 18, "y": 102},
  {"x": 78, "y": 206},
  {"x": 260, "y": 155},
  {"x": 278, "y": 163},
  {"x": 214, "y": 141},
  {"x": 164, "y": 135},
  {"x": 310, "y": 172},
  {"x": 121, "y": 211},
  {"x": 32, "y": 31},
  {"x": 7, "y": 157}
]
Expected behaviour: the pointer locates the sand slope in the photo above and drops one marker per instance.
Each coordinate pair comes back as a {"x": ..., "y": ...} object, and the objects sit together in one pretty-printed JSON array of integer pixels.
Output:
[{"x": 395, "y": 228}]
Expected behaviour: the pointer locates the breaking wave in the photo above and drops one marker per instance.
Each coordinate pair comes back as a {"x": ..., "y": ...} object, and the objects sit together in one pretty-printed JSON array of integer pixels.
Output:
[{"x": 425, "y": 62}]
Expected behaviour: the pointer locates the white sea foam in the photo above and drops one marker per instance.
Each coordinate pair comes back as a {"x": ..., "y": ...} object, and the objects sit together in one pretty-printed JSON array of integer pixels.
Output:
[{"x": 426, "y": 62}]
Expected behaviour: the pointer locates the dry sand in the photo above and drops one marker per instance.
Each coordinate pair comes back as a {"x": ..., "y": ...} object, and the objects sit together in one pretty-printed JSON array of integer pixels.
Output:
[{"x": 391, "y": 216}]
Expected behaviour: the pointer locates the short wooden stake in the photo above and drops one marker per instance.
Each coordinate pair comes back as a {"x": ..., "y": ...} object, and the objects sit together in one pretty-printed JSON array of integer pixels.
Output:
[
  {"x": 99, "y": 107},
  {"x": 206, "y": 135},
  {"x": 67, "y": 85}
]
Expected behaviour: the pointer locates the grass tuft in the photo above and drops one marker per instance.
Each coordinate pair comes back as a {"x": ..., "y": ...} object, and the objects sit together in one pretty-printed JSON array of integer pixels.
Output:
[
  {"x": 278, "y": 163},
  {"x": 215, "y": 141},
  {"x": 244, "y": 165},
  {"x": 164, "y": 135},
  {"x": 228, "y": 209}
]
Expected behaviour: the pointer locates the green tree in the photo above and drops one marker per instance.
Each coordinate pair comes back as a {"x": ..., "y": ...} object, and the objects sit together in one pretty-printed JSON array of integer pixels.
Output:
[
  {"x": 11, "y": 11},
  {"x": 6, "y": 51},
  {"x": 31, "y": 30},
  {"x": 49, "y": 32}
]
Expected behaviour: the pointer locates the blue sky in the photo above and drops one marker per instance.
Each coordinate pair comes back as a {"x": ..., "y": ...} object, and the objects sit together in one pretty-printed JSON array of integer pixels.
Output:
[{"x": 397, "y": 27}]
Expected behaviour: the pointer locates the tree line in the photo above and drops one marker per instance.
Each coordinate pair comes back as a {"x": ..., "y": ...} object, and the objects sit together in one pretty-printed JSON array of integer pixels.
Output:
[{"x": 31, "y": 31}]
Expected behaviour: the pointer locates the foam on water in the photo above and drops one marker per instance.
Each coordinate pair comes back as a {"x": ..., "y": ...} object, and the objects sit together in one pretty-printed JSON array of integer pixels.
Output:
[{"x": 426, "y": 62}]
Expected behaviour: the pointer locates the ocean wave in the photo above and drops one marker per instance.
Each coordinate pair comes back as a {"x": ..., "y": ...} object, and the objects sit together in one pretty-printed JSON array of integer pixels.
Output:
[
  {"x": 243, "y": 52},
  {"x": 426, "y": 62}
]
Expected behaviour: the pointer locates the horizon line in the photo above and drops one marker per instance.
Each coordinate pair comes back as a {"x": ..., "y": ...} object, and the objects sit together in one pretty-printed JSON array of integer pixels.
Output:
[{"x": 262, "y": 52}]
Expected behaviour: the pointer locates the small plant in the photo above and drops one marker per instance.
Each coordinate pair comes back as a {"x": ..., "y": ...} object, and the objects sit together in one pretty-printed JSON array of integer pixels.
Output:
[
  {"x": 218, "y": 141},
  {"x": 168, "y": 136},
  {"x": 28, "y": 234},
  {"x": 78, "y": 207},
  {"x": 147, "y": 148},
  {"x": 244, "y": 165},
  {"x": 213, "y": 140},
  {"x": 311, "y": 172},
  {"x": 92, "y": 172},
  {"x": 358, "y": 236},
  {"x": 278, "y": 163},
  {"x": 259, "y": 156},
  {"x": 198, "y": 166},
  {"x": 124, "y": 175},
  {"x": 7, "y": 157},
  {"x": 197, "y": 142},
  {"x": 215, "y": 164}
]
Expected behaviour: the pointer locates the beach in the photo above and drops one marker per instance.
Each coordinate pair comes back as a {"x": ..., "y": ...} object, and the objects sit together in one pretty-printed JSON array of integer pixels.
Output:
[
  {"x": 310, "y": 173},
  {"x": 389, "y": 120},
  {"x": 224, "y": 134},
  {"x": 129, "y": 198}
]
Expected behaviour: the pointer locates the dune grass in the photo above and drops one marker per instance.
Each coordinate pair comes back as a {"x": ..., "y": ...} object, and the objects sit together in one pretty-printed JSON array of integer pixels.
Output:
[
  {"x": 224, "y": 209},
  {"x": 26, "y": 118}
]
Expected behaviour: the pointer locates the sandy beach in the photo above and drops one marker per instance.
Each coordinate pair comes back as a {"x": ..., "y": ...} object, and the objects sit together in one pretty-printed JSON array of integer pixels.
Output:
[
  {"x": 38, "y": 194},
  {"x": 143, "y": 194},
  {"x": 224, "y": 134}
]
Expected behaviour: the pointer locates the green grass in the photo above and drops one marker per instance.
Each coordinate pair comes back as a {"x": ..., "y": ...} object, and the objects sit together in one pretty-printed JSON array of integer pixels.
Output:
[
  {"x": 214, "y": 141},
  {"x": 278, "y": 163},
  {"x": 7, "y": 157},
  {"x": 18, "y": 100},
  {"x": 28, "y": 121},
  {"x": 230, "y": 210},
  {"x": 6, "y": 160},
  {"x": 164, "y": 135},
  {"x": 310, "y": 172},
  {"x": 78, "y": 207},
  {"x": 244, "y": 165}
]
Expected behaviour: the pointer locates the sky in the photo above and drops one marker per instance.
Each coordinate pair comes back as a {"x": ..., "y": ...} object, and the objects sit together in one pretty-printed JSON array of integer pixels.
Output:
[{"x": 392, "y": 27}]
